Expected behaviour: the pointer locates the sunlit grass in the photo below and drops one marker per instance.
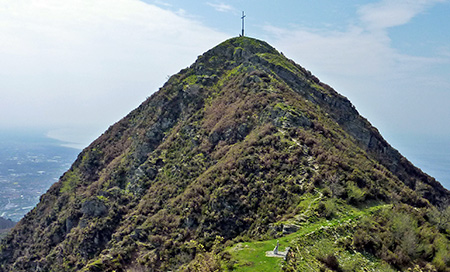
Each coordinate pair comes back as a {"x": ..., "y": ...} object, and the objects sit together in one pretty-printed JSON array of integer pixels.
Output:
[{"x": 251, "y": 256}]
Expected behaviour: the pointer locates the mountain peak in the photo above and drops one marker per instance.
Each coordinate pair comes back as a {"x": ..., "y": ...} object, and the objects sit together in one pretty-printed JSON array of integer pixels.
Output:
[
  {"x": 251, "y": 45},
  {"x": 236, "y": 50},
  {"x": 244, "y": 144}
]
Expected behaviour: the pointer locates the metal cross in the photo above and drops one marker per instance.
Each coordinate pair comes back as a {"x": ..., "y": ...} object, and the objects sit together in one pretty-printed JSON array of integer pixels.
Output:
[{"x": 243, "y": 16}]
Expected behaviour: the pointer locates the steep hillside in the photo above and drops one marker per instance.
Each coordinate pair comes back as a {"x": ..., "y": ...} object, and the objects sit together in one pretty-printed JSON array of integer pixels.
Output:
[{"x": 243, "y": 145}]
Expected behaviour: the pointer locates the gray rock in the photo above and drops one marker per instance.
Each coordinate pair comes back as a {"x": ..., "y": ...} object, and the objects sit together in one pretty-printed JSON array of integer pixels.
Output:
[
  {"x": 289, "y": 228},
  {"x": 70, "y": 223},
  {"x": 94, "y": 208},
  {"x": 286, "y": 118}
]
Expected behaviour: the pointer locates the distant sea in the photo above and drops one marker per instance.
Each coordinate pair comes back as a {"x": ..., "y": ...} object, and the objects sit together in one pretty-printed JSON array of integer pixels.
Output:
[
  {"x": 429, "y": 153},
  {"x": 30, "y": 163}
]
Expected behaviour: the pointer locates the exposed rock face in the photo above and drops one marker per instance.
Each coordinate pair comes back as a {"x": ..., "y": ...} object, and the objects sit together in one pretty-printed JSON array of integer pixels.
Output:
[
  {"x": 224, "y": 148},
  {"x": 289, "y": 228},
  {"x": 94, "y": 208}
]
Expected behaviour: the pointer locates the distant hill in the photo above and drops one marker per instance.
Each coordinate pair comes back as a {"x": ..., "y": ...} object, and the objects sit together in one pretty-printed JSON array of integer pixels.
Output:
[
  {"x": 5, "y": 226},
  {"x": 6, "y": 223},
  {"x": 242, "y": 151}
]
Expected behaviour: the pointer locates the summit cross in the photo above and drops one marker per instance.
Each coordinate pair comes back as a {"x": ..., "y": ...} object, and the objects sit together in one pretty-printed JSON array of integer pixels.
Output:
[{"x": 243, "y": 16}]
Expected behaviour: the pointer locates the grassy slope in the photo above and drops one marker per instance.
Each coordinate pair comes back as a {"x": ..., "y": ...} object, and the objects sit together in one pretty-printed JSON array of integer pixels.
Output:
[
  {"x": 251, "y": 256},
  {"x": 378, "y": 237}
]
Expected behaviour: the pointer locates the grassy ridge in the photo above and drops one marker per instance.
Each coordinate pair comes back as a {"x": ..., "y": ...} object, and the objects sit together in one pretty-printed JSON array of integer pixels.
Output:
[{"x": 251, "y": 256}]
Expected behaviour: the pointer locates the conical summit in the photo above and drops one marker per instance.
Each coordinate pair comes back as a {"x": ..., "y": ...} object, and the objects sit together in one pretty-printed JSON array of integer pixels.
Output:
[{"x": 239, "y": 150}]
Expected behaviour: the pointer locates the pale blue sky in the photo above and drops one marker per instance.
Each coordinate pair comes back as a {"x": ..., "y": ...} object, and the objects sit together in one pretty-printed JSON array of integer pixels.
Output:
[{"x": 74, "y": 67}]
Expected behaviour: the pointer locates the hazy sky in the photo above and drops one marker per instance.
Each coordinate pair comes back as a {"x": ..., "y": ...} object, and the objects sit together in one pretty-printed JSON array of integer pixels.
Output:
[{"x": 75, "y": 67}]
